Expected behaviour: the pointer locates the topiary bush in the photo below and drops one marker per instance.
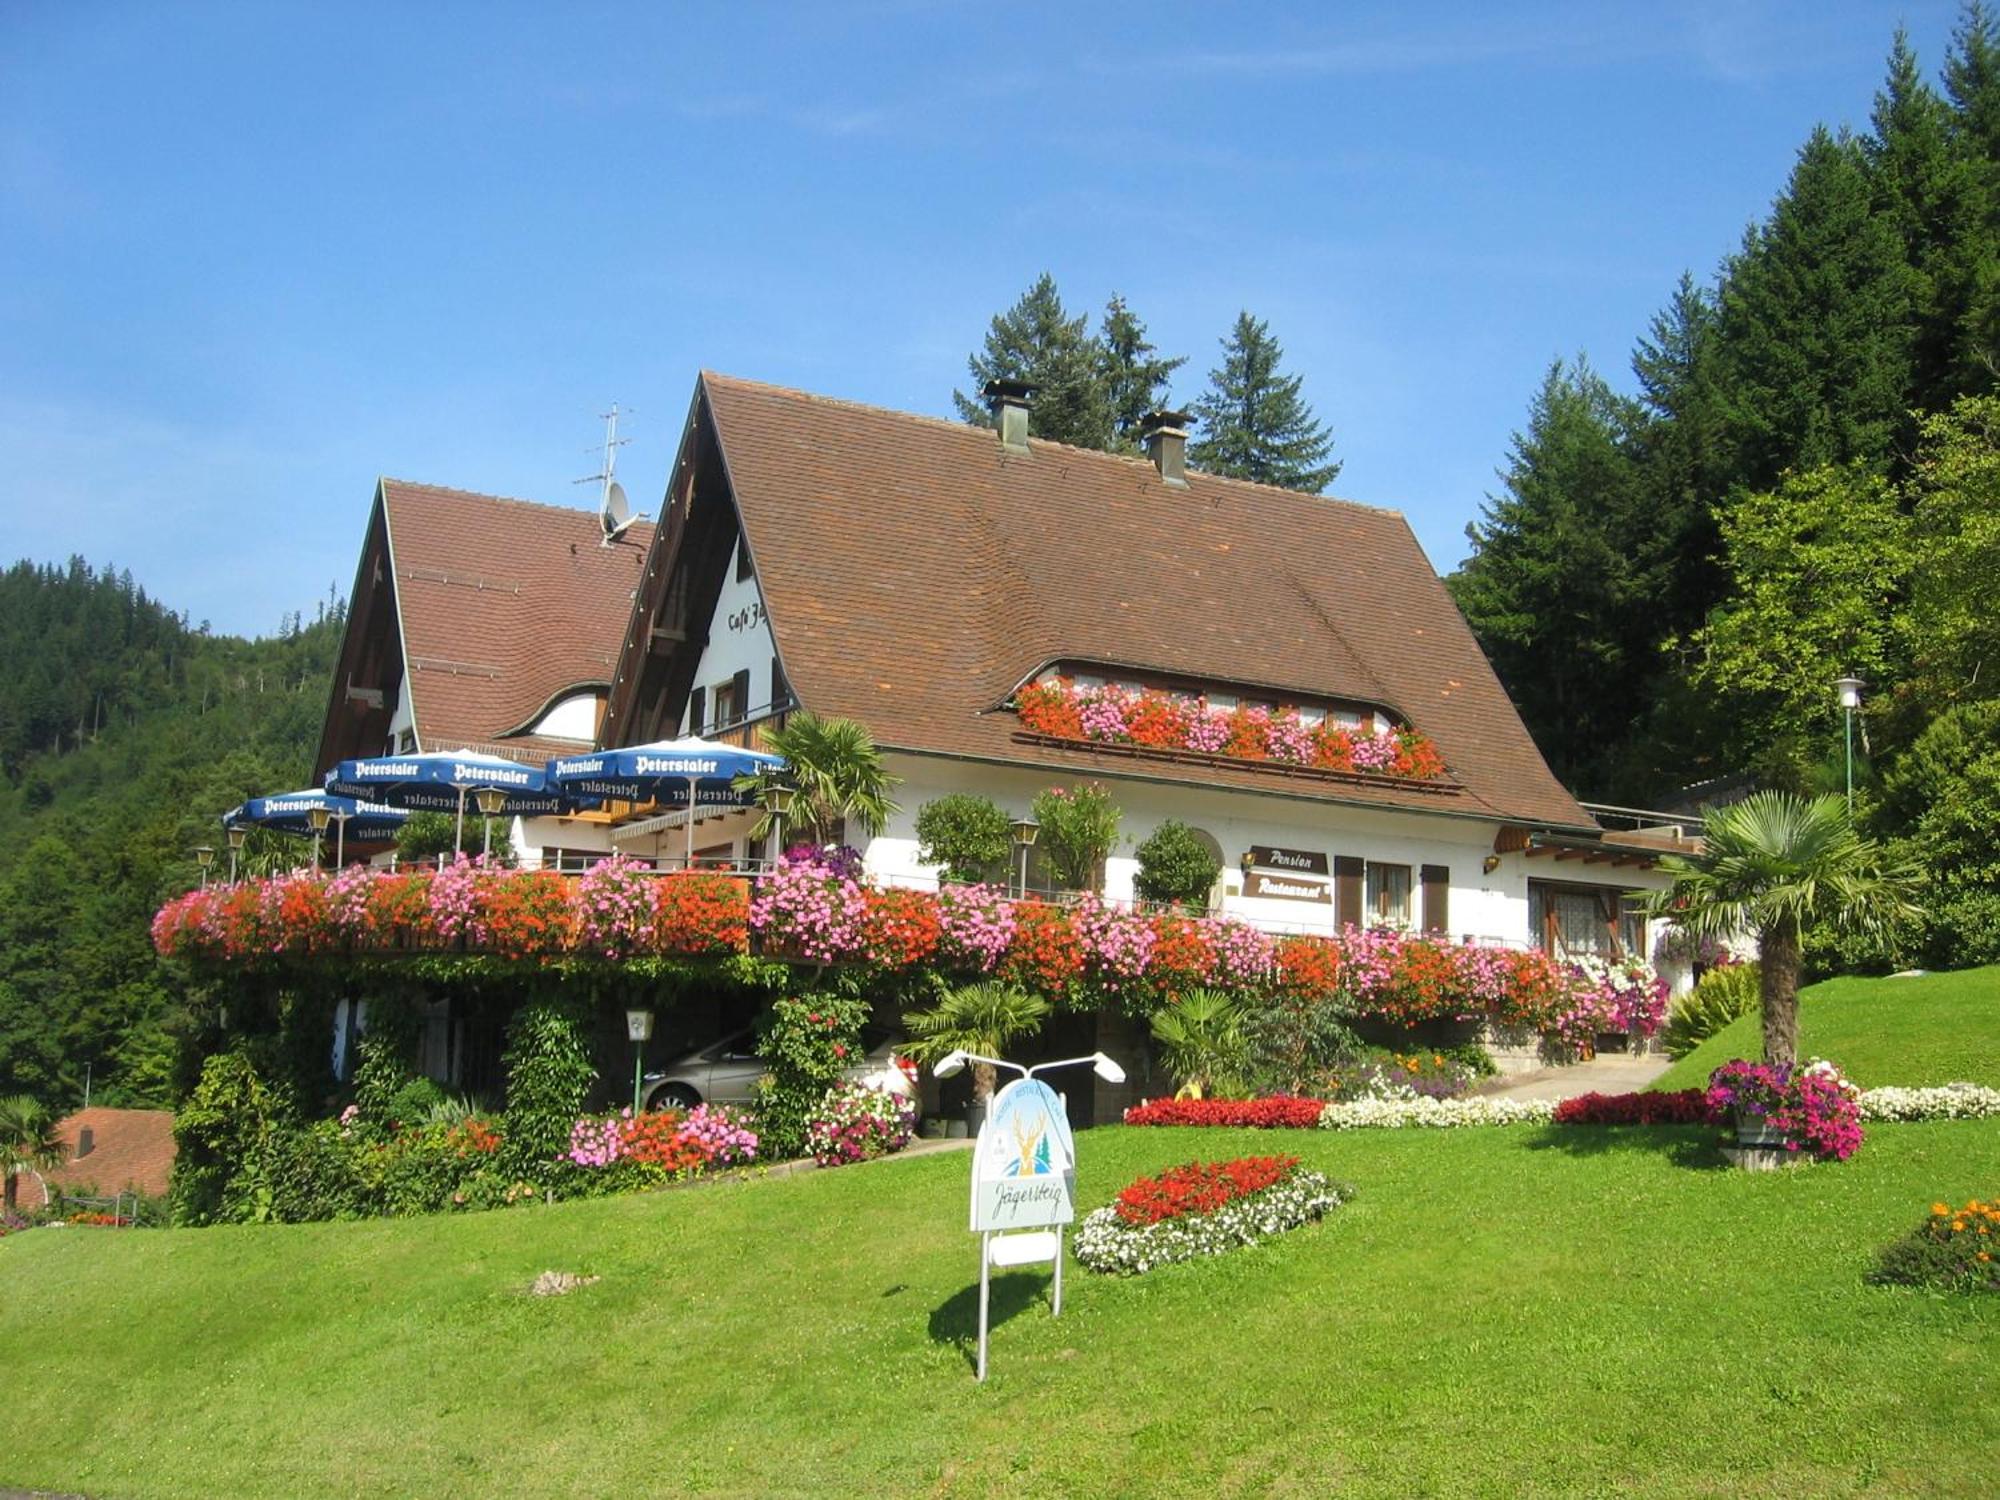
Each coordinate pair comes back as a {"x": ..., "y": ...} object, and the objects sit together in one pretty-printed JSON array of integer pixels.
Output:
[
  {"x": 1176, "y": 866},
  {"x": 1722, "y": 995},
  {"x": 549, "y": 1075},
  {"x": 1079, "y": 826},
  {"x": 808, "y": 1040},
  {"x": 970, "y": 838}
]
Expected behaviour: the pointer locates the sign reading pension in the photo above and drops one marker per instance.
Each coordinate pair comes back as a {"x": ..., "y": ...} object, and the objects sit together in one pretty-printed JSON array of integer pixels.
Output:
[
  {"x": 1024, "y": 1169},
  {"x": 1294, "y": 861}
]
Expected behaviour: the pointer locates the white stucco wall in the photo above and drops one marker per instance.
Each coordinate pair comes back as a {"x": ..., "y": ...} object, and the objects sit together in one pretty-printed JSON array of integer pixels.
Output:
[{"x": 739, "y": 640}]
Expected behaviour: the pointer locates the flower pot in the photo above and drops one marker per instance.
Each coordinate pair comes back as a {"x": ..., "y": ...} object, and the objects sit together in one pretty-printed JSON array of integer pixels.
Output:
[
  {"x": 975, "y": 1118},
  {"x": 1755, "y": 1130}
]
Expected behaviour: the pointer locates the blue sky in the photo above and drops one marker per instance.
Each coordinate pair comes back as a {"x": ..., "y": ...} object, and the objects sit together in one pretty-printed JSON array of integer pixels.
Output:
[{"x": 253, "y": 256}]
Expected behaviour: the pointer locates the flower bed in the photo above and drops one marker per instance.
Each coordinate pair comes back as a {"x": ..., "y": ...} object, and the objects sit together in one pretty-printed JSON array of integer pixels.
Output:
[
  {"x": 1681, "y": 1107},
  {"x": 1811, "y": 1107},
  {"x": 1947, "y": 1101},
  {"x": 856, "y": 1123},
  {"x": 663, "y": 1144},
  {"x": 1201, "y": 1209},
  {"x": 1171, "y": 723},
  {"x": 1954, "y": 1249},
  {"x": 1281, "y": 1112},
  {"x": 1393, "y": 1113}
]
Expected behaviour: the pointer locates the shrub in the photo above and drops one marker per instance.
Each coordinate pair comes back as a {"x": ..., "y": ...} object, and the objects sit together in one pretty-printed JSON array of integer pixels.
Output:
[
  {"x": 969, "y": 838},
  {"x": 856, "y": 1123},
  {"x": 1952, "y": 1249},
  {"x": 1723, "y": 994},
  {"x": 1079, "y": 825},
  {"x": 549, "y": 1074},
  {"x": 808, "y": 1040},
  {"x": 222, "y": 1139},
  {"x": 1176, "y": 866},
  {"x": 1203, "y": 1209},
  {"x": 1684, "y": 1107},
  {"x": 1280, "y": 1112}
]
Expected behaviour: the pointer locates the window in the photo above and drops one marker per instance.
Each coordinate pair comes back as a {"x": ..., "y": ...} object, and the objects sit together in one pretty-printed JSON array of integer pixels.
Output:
[
  {"x": 726, "y": 709},
  {"x": 406, "y": 742},
  {"x": 1388, "y": 895},
  {"x": 1574, "y": 921}
]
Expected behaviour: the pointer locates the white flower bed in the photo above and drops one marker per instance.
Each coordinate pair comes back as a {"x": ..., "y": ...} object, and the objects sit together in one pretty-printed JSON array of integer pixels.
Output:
[
  {"x": 1384, "y": 1112},
  {"x": 1948, "y": 1101},
  {"x": 1105, "y": 1242}
]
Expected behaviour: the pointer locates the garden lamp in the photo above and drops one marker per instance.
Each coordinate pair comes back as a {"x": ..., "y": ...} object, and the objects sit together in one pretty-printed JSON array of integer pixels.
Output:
[
  {"x": 236, "y": 836},
  {"x": 639, "y": 1027},
  {"x": 1025, "y": 831},
  {"x": 204, "y": 856},
  {"x": 1849, "y": 689},
  {"x": 490, "y": 799},
  {"x": 319, "y": 817}
]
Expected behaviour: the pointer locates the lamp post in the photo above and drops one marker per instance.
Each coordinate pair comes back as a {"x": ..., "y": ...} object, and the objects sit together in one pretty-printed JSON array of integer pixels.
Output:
[
  {"x": 236, "y": 837},
  {"x": 319, "y": 817},
  {"x": 639, "y": 1027},
  {"x": 490, "y": 799},
  {"x": 777, "y": 798},
  {"x": 1849, "y": 689},
  {"x": 1025, "y": 831},
  {"x": 204, "y": 856}
]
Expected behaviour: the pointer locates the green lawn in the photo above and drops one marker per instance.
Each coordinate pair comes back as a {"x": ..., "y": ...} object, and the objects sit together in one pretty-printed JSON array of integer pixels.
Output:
[
  {"x": 1936, "y": 1029},
  {"x": 1521, "y": 1311}
]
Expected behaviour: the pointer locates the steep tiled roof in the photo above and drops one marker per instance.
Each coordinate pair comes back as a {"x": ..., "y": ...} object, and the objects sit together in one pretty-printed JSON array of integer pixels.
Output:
[
  {"x": 915, "y": 573},
  {"x": 130, "y": 1148},
  {"x": 504, "y": 604}
]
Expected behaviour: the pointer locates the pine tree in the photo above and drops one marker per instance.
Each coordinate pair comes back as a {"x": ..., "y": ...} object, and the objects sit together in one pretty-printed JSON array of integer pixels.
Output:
[
  {"x": 1036, "y": 340},
  {"x": 1135, "y": 377},
  {"x": 1972, "y": 85},
  {"x": 1548, "y": 586},
  {"x": 1254, "y": 423},
  {"x": 1819, "y": 315}
]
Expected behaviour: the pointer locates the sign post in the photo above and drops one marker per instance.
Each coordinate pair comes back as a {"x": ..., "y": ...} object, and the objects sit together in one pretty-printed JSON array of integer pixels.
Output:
[{"x": 1023, "y": 1176}]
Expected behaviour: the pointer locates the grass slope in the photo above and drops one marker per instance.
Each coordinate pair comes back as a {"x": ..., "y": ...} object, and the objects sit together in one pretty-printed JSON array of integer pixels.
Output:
[
  {"x": 1522, "y": 1311},
  {"x": 1936, "y": 1029}
]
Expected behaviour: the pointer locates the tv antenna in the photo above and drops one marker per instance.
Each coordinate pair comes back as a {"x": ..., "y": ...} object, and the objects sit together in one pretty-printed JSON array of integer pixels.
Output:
[{"x": 614, "y": 511}]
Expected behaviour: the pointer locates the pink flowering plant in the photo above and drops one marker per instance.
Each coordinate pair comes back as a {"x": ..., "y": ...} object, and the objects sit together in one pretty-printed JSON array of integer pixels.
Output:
[
  {"x": 614, "y": 906},
  {"x": 975, "y": 926},
  {"x": 811, "y": 907},
  {"x": 1813, "y": 1107},
  {"x": 857, "y": 1123}
]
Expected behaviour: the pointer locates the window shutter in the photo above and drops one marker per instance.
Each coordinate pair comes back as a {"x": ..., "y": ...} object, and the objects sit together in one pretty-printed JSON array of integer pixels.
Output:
[
  {"x": 1437, "y": 898},
  {"x": 780, "y": 691},
  {"x": 697, "y": 706},
  {"x": 1347, "y": 870},
  {"x": 739, "y": 695}
]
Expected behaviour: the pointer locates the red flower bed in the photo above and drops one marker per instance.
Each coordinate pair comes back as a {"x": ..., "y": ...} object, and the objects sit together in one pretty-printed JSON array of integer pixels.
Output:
[
  {"x": 701, "y": 913},
  {"x": 1280, "y": 1112},
  {"x": 1686, "y": 1107},
  {"x": 902, "y": 927},
  {"x": 527, "y": 914},
  {"x": 1200, "y": 1187}
]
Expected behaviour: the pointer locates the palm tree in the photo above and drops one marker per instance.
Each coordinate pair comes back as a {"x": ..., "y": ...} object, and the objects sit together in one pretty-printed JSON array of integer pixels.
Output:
[
  {"x": 1773, "y": 864},
  {"x": 1202, "y": 1043},
  {"x": 836, "y": 770},
  {"x": 982, "y": 1018},
  {"x": 28, "y": 1142}
]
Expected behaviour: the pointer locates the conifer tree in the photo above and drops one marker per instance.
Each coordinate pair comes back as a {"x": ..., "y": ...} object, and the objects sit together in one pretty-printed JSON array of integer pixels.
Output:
[
  {"x": 1036, "y": 340},
  {"x": 1135, "y": 377},
  {"x": 1254, "y": 423}
]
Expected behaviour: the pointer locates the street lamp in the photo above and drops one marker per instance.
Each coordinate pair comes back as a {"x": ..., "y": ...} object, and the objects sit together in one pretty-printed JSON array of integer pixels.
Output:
[
  {"x": 639, "y": 1027},
  {"x": 490, "y": 799},
  {"x": 319, "y": 816},
  {"x": 777, "y": 798},
  {"x": 1849, "y": 689},
  {"x": 237, "y": 835},
  {"x": 204, "y": 856},
  {"x": 1025, "y": 831}
]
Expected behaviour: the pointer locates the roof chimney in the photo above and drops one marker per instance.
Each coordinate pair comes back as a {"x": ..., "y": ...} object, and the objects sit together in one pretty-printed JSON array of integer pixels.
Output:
[
  {"x": 1008, "y": 401},
  {"x": 86, "y": 1142},
  {"x": 1164, "y": 436}
]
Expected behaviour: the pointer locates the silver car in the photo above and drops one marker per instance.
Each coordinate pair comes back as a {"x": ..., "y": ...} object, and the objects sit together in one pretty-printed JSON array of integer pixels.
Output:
[{"x": 726, "y": 1072}]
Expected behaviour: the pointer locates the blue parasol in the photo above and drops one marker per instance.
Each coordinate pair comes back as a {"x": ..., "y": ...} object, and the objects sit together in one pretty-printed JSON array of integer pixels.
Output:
[
  {"x": 438, "y": 780},
  {"x": 292, "y": 812},
  {"x": 686, "y": 773}
]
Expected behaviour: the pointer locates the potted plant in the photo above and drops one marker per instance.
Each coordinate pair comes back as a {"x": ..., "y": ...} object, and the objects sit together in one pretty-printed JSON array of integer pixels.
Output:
[
  {"x": 977, "y": 1018},
  {"x": 1750, "y": 1095}
]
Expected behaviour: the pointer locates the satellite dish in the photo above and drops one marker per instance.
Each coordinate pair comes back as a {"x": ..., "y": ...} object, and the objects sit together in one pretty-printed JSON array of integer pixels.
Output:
[{"x": 617, "y": 512}]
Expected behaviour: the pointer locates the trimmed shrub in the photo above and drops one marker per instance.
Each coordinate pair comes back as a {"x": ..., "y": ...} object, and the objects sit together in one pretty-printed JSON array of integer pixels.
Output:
[
  {"x": 1176, "y": 866},
  {"x": 969, "y": 837},
  {"x": 808, "y": 1040},
  {"x": 222, "y": 1140},
  {"x": 1722, "y": 995},
  {"x": 549, "y": 1074},
  {"x": 1079, "y": 825}
]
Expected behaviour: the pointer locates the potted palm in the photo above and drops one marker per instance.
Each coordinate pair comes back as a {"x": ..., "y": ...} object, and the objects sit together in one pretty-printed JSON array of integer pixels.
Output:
[{"x": 981, "y": 1019}]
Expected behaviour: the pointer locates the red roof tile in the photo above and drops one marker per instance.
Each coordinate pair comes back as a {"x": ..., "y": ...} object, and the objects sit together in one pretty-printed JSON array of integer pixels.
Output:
[{"x": 130, "y": 1148}]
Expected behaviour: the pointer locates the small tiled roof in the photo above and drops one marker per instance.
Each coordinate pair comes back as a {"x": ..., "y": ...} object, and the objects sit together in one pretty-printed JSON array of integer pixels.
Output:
[
  {"x": 915, "y": 572},
  {"x": 130, "y": 1148},
  {"x": 504, "y": 604}
]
